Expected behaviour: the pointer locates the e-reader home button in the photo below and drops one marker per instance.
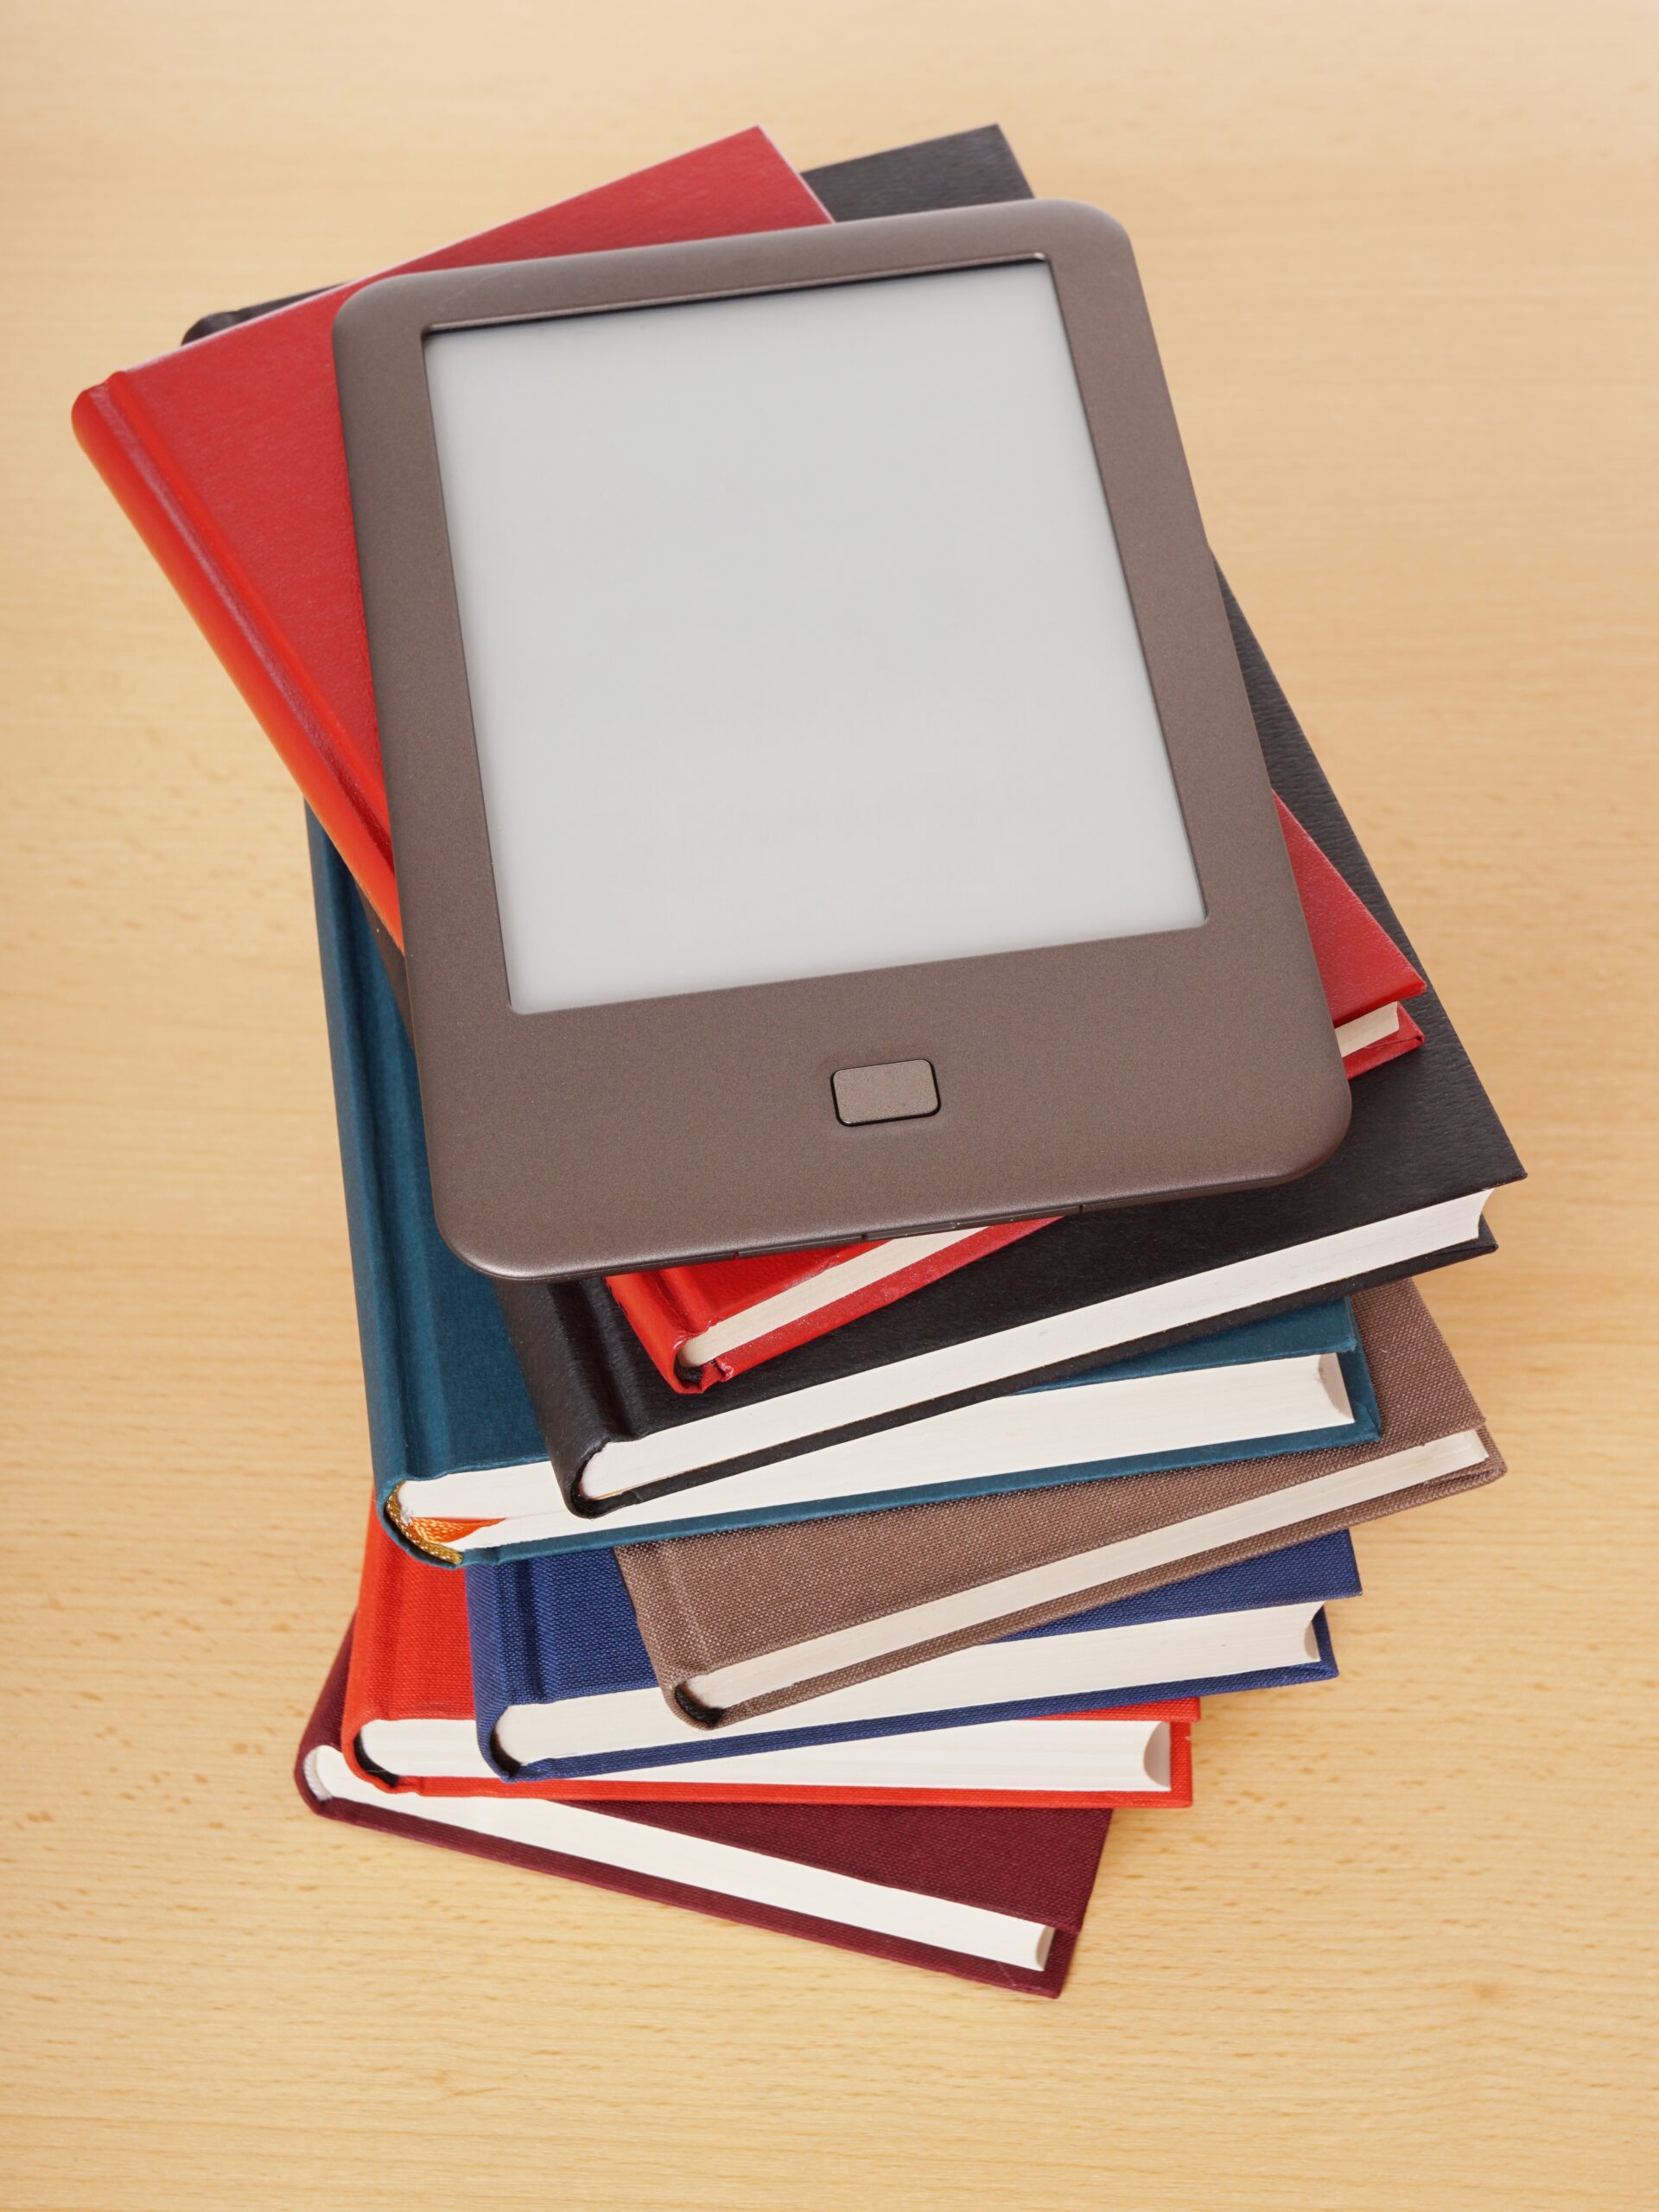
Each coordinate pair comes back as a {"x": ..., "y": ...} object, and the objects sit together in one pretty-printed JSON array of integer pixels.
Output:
[{"x": 896, "y": 1091}]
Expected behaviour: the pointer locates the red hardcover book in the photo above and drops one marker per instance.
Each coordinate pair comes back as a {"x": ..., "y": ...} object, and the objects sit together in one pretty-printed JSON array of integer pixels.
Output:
[
  {"x": 703, "y": 1324},
  {"x": 411, "y": 1667},
  {"x": 227, "y": 457},
  {"x": 989, "y": 1894}
]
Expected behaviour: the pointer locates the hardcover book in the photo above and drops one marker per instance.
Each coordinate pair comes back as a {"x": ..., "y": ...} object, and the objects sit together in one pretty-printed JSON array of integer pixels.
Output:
[
  {"x": 744, "y": 1624},
  {"x": 991, "y": 1893}
]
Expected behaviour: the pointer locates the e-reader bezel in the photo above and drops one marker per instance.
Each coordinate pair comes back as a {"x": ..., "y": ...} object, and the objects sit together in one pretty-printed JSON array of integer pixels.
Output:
[{"x": 607, "y": 1137}]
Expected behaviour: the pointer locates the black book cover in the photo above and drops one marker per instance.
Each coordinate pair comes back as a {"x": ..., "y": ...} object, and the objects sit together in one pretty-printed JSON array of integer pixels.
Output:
[{"x": 1423, "y": 1130}]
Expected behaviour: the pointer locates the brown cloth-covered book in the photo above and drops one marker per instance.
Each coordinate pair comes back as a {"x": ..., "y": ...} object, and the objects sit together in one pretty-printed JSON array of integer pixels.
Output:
[{"x": 746, "y": 1621}]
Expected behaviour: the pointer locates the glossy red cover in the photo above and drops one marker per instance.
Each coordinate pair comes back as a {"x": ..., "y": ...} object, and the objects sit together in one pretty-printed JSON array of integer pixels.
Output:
[
  {"x": 410, "y": 1662},
  {"x": 226, "y": 455},
  {"x": 1362, "y": 968},
  {"x": 1039, "y": 1865}
]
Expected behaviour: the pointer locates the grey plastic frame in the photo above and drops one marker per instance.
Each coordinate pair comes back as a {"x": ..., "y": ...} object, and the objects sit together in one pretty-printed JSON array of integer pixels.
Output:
[{"x": 606, "y": 1138}]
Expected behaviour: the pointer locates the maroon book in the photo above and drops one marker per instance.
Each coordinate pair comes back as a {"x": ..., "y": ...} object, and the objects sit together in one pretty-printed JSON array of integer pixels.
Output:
[{"x": 992, "y": 1894}]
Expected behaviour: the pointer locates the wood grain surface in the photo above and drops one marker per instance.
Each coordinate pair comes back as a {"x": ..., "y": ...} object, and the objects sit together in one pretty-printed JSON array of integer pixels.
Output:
[{"x": 1400, "y": 1954}]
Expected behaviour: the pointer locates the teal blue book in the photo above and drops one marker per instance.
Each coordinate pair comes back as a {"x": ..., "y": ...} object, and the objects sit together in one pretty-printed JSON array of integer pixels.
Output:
[{"x": 463, "y": 1471}]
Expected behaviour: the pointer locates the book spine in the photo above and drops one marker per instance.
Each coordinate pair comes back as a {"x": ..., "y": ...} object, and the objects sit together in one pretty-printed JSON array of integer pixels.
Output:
[
  {"x": 443, "y": 1390},
  {"x": 382, "y": 1632},
  {"x": 591, "y": 1381},
  {"x": 503, "y": 1648},
  {"x": 116, "y": 437},
  {"x": 549, "y": 1631},
  {"x": 658, "y": 1319},
  {"x": 562, "y": 1346},
  {"x": 385, "y": 1382}
]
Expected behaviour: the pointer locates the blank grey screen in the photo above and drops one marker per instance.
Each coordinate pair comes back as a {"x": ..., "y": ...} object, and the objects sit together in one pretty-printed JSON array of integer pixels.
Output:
[{"x": 796, "y": 639}]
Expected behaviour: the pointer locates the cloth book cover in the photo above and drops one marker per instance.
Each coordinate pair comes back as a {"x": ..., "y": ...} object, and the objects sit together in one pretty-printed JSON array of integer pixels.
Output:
[
  {"x": 409, "y": 1718},
  {"x": 704, "y": 1324},
  {"x": 227, "y": 457},
  {"x": 747, "y": 1623},
  {"x": 447, "y": 1401},
  {"x": 1002, "y": 1892},
  {"x": 561, "y": 1633}
]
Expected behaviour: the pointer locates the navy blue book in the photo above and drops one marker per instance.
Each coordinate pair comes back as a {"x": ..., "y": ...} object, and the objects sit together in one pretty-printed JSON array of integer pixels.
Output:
[
  {"x": 459, "y": 1464},
  {"x": 563, "y": 1686}
]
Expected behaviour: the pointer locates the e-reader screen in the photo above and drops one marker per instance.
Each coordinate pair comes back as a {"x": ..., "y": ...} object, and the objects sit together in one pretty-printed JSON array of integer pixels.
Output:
[{"x": 796, "y": 639}]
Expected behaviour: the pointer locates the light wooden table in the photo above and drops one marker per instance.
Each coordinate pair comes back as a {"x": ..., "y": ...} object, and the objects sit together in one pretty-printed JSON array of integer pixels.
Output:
[{"x": 1398, "y": 1955}]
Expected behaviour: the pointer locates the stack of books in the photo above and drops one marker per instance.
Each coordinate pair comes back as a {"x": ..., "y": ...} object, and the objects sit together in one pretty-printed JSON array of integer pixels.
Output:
[{"x": 850, "y": 1591}]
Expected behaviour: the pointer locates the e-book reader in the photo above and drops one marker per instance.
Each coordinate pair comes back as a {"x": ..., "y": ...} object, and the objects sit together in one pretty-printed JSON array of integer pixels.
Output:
[{"x": 825, "y": 798}]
